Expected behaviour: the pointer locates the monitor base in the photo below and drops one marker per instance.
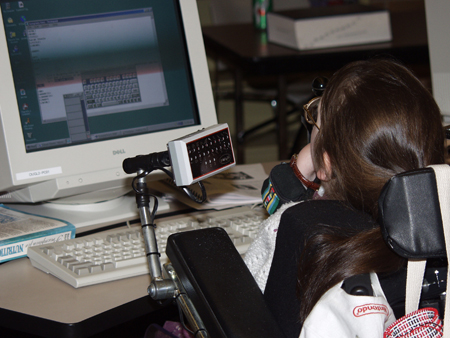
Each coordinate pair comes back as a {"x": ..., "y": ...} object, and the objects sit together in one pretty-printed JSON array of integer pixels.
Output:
[{"x": 90, "y": 216}]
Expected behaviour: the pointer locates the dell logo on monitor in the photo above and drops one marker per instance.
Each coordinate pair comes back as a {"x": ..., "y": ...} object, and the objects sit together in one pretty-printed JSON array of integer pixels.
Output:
[{"x": 118, "y": 152}]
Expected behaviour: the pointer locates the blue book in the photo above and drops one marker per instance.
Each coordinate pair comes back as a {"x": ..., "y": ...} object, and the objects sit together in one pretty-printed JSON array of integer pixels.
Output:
[{"x": 20, "y": 230}]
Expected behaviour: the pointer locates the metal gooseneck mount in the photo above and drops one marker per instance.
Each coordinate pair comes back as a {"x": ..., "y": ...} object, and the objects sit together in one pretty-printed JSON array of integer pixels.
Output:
[
  {"x": 161, "y": 287},
  {"x": 143, "y": 165}
]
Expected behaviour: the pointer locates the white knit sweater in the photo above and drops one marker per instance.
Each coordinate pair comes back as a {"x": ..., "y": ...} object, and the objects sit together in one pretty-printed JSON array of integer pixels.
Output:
[{"x": 260, "y": 253}]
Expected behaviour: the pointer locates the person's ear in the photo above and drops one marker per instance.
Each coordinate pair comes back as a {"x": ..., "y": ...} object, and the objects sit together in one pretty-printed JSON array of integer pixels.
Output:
[{"x": 324, "y": 174}]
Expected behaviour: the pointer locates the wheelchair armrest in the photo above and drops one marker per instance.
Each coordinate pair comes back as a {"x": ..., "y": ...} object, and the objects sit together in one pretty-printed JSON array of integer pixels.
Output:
[
  {"x": 410, "y": 216},
  {"x": 220, "y": 285}
]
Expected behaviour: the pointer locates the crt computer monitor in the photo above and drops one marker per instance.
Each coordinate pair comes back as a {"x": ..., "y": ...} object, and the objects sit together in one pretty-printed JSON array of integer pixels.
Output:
[
  {"x": 438, "y": 29},
  {"x": 85, "y": 84}
]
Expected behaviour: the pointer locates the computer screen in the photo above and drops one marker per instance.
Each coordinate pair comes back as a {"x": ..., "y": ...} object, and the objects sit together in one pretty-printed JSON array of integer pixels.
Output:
[
  {"x": 438, "y": 29},
  {"x": 86, "y": 84}
]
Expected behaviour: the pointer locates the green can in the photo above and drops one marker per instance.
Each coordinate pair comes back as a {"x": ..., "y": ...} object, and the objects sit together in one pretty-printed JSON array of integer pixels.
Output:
[{"x": 260, "y": 10}]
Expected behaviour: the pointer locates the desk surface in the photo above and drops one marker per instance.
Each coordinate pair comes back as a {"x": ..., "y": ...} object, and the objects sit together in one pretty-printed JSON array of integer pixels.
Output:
[
  {"x": 247, "y": 48},
  {"x": 79, "y": 304},
  {"x": 37, "y": 302},
  {"x": 33, "y": 301}
]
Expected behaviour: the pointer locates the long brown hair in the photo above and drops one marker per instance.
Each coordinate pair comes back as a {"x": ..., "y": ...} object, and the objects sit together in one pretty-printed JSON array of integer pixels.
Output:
[{"x": 377, "y": 120}]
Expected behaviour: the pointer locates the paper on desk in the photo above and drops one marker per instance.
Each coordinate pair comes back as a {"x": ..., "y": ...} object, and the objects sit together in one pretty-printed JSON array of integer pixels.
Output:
[{"x": 239, "y": 185}]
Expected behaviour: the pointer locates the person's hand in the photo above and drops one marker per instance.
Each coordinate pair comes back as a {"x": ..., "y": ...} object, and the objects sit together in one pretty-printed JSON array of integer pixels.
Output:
[{"x": 305, "y": 163}]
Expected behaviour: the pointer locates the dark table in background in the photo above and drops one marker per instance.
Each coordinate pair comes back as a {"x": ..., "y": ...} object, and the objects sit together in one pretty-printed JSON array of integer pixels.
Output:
[{"x": 244, "y": 50}]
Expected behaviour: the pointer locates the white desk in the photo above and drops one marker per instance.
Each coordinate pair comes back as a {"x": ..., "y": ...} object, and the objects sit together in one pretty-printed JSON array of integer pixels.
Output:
[{"x": 33, "y": 301}]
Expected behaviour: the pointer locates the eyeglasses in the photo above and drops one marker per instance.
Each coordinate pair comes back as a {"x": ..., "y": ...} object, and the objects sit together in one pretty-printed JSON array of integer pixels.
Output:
[{"x": 310, "y": 110}]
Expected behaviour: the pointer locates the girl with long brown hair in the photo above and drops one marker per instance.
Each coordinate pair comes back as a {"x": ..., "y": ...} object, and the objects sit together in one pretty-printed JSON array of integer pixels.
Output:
[{"x": 374, "y": 120}]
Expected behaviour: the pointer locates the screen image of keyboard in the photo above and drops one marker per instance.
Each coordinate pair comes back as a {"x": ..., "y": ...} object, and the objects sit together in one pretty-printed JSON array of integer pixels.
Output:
[
  {"x": 115, "y": 89},
  {"x": 120, "y": 253}
]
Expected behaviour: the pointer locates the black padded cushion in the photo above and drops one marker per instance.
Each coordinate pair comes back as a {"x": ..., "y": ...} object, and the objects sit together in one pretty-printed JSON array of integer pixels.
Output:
[
  {"x": 220, "y": 285},
  {"x": 410, "y": 217},
  {"x": 287, "y": 186}
]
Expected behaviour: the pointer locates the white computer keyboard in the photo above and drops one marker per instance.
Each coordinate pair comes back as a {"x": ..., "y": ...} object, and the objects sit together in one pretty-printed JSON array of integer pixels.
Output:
[{"x": 117, "y": 254}]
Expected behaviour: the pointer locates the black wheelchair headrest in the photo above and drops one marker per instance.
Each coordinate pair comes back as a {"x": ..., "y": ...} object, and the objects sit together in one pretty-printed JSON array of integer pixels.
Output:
[{"x": 410, "y": 216}]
